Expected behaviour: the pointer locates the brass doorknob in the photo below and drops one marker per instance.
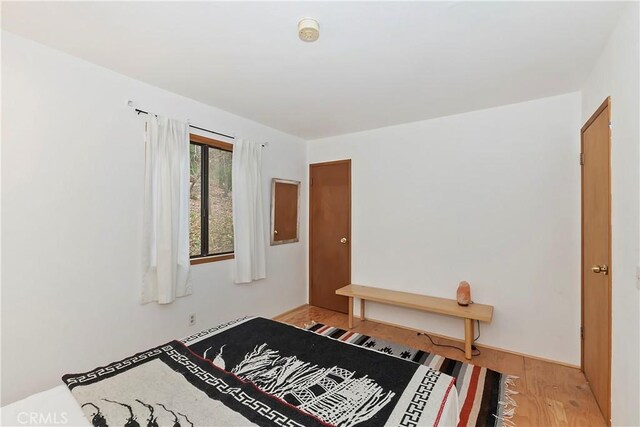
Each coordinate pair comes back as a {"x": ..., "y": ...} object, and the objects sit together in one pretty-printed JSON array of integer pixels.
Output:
[
  {"x": 343, "y": 240},
  {"x": 600, "y": 269}
]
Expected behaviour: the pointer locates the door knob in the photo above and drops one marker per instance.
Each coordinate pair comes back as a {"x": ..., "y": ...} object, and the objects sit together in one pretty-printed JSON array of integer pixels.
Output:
[
  {"x": 600, "y": 269},
  {"x": 343, "y": 240}
]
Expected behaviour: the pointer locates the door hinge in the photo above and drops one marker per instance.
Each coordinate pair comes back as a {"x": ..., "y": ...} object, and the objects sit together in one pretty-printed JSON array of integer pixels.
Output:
[
  {"x": 581, "y": 159},
  {"x": 581, "y": 333}
]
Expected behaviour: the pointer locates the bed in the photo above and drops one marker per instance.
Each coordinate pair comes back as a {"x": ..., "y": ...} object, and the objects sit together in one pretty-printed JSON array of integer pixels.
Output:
[{"x": 252, "y": 371}]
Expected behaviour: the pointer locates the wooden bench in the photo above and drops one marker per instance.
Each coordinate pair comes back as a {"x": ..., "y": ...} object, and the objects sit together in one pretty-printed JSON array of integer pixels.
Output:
[{"x": 450, "y": 307}]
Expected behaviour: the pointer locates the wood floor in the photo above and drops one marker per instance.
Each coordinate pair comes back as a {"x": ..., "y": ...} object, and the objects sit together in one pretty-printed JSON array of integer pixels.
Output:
[{"x": 550, "y": 394}]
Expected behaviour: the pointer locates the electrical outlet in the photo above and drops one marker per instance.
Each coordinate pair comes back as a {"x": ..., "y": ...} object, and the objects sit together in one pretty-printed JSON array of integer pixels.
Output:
[{"x": 192, "y": 319}]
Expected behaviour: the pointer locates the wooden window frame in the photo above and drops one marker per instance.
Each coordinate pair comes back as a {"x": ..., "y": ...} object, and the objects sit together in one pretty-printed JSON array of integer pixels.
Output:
[{"x": 205, "y": 142}]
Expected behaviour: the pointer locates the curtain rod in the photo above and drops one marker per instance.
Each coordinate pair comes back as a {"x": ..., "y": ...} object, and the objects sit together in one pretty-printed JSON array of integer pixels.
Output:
[{"x": 139, "y": 111}]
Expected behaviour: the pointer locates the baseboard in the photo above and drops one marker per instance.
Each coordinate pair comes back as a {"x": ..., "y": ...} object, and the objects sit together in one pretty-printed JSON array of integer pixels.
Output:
[
  {"x": 516, "y": 353},
  {"x": 289, "y": 312},
  {"x": 557, "y": 362}
]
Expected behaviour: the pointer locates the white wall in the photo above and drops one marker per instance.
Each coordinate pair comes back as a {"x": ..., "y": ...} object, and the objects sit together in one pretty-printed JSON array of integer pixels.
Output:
[
  {"x": 72, "y": 175},
  {"x": 616, "y": 74},
  {"x": 492, "y": 197}
]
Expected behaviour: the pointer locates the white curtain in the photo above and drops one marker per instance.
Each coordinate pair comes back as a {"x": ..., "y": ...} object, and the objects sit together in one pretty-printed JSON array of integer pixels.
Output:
[
  {"x": 248, "y": 214},
  {"x": 165, "y": 254}
]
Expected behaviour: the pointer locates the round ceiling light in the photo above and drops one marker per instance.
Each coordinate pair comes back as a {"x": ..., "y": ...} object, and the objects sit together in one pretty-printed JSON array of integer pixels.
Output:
[{"x": 308, "y": 30}]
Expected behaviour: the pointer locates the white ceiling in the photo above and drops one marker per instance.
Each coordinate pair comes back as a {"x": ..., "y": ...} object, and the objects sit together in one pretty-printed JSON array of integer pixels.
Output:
[{"x": 375, "y": 64}]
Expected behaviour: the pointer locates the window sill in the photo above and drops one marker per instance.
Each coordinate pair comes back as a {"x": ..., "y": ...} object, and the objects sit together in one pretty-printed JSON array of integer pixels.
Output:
[{"x": 213, "y": 258}]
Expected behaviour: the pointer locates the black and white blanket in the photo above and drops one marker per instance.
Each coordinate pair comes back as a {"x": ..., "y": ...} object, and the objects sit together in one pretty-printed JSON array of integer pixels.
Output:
[{"x": 255, "y": 371}]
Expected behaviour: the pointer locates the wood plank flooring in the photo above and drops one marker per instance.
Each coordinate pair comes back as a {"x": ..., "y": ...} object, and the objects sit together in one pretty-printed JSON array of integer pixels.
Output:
[{"x": 550, "y": 394}]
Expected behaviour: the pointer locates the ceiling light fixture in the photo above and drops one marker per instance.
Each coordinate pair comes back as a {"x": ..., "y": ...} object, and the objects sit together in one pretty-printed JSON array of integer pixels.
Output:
[{"x": 308, "y": 30}]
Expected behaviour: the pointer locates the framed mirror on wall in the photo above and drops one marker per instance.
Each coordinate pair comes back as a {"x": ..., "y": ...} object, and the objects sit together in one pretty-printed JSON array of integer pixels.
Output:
[{"x": 285, "y": 211}]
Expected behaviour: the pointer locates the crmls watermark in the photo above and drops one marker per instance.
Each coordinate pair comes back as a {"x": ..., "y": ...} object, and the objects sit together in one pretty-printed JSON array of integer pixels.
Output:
[{"x": 42, "y": 418}]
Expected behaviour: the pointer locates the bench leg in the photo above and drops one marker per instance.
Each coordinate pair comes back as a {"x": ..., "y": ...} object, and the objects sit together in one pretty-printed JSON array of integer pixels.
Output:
[
  {"x": 361, "y": 309},
  {"x": 350, "y": 312},
  {"x": 468, "y": 337}
]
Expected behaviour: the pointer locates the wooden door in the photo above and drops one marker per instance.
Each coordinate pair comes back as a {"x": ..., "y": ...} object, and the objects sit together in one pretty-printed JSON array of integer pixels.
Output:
[
  {"x": 596, "y": 256},
  {"x": 329, "y": 233}
]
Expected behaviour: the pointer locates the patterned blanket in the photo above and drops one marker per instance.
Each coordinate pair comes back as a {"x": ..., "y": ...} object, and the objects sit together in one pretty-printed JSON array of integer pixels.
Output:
[
  {"x": 255, "y": 371},
  {"x": 485, "y": 397}
]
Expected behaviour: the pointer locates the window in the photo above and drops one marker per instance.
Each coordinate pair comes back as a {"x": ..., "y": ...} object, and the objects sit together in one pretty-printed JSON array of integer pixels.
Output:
[{"x": 210, "y": 215}]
